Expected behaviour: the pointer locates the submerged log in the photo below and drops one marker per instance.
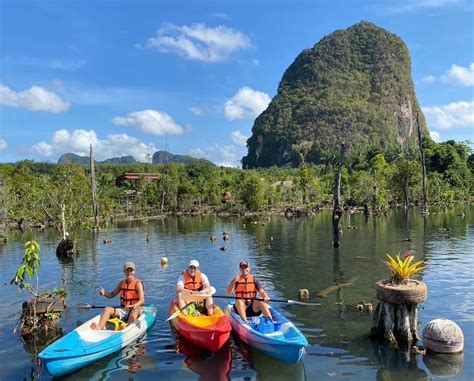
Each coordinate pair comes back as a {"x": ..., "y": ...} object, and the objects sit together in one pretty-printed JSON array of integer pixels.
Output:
[
  {"x": 329, "y": 290},
  {"x": 396, "y": 316}
]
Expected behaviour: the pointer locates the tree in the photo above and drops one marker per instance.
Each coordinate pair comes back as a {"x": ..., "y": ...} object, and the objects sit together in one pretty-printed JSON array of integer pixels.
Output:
[{"x": 253, "y": 192}]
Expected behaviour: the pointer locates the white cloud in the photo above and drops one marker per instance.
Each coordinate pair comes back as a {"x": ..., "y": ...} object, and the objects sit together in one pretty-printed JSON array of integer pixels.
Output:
[
  {"x": 196, "y": 110},
  {"x": 410, "y": 6},
  {"x": 196, "y": 152},
  {"x": 429, "y": 79},
  {"x": 435, "y": 136},
  {"x": 78, "y": 142},
  {"x": 150, "y": 122},
  {"x": 460, "y": 75},
  {"x": 239, "y": 138},
  {"x": 225, "y": 156},
  {"x": 458, "y": 114},
  {"x": 34, "y": 99},
  {"x": 247, "y": 103},
  {"x": 50, "y": 63},
  {"x": 3, "y": 145},
  {"x": 199, "y": 42}
]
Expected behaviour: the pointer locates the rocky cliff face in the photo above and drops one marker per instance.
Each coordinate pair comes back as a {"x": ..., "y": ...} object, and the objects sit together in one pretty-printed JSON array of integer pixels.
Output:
[{"x": 354, "y": 86}]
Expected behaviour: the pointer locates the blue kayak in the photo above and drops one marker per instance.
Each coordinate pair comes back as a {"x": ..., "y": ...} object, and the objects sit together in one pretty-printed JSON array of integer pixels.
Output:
[
  {"x": 83, "y": 346},
  {"x": 280, "y": 340}
]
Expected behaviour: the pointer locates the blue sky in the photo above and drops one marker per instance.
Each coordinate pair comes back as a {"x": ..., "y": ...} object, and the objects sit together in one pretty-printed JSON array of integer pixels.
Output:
[{"x": 134, "y": 77}]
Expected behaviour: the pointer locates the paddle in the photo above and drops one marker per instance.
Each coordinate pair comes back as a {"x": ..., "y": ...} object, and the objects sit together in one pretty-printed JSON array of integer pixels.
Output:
[
  {"x": 289, "y": 301},
  {"x": 175, "y": 314},
  {"x": 85, "y": 306}
]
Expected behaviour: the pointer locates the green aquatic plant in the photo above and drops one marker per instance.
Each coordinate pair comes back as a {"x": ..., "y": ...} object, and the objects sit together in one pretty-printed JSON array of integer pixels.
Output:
[{"x": 402, "y": 267}]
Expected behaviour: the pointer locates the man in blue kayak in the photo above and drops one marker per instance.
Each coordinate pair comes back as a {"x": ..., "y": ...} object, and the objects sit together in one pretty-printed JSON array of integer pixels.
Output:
[
  {"x": 132, "y": 296},
  {"x": 246, "y": 287},
  {"x": 193, "y": 281}
]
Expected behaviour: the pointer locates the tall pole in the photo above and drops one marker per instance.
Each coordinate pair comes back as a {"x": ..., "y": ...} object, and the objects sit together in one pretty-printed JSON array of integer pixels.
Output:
[
  {"x": 336, "y": 207},
  {"x": 95, "y": 209},
  {"x": 423, "y": 164}
]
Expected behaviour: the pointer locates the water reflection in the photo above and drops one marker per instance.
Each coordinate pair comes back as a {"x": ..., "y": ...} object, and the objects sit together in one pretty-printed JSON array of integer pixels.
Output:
[
  {"x": 444, "y": 365},
  {"x": 210, "y": 366},
  {"x": 300, "y": 256}
]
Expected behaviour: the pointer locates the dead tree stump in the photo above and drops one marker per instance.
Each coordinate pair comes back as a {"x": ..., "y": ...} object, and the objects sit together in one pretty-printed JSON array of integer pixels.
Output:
[
  {"x": 396, "y": 316},
  {"x": 40, "y": 318},
  {"x": 67, "y": 249}
]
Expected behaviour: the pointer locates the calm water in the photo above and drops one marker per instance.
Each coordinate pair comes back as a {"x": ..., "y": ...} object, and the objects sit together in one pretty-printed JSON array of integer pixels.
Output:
[{"x": 300, "y": 256}]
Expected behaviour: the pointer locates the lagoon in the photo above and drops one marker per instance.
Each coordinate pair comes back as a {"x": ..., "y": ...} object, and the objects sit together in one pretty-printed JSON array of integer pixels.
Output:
[{"x": 286, "y": 254}]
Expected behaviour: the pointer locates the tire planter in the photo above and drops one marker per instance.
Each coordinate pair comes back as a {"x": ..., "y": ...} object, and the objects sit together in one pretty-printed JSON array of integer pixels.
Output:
[{"x": 414, "y": 292}]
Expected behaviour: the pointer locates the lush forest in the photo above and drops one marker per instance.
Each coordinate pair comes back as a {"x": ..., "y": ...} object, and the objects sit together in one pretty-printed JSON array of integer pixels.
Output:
[
  {"x": 32, "y": 194},
  {"x": 354, "y": 86}
]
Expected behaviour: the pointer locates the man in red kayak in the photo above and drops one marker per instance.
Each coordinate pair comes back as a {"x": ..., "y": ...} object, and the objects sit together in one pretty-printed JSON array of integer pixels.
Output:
[
  {"x": 193, "y": 281},
  {"x": 246, "y": 287},
  {"x": 132, "y": 296}
]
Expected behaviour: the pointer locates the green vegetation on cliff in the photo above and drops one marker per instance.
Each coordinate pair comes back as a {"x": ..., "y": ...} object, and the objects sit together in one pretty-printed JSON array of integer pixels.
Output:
[{"x": 354, "y": 86}]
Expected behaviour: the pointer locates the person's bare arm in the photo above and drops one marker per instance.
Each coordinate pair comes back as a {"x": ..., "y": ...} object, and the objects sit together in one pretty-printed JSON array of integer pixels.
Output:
[
  {"x": 231, "y": 287},
  {"x": 112, "y": 294}
]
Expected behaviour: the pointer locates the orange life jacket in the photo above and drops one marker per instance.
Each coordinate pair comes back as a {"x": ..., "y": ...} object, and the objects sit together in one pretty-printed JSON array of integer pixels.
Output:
[
  {"x": 245, "y": 288},
  {"x": 128, "y": 292},
  {"x": 192, "y": 283}
]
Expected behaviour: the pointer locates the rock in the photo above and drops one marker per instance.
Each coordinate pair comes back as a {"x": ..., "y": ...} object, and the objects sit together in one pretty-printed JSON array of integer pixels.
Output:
[{"x": 443, "y": 336}]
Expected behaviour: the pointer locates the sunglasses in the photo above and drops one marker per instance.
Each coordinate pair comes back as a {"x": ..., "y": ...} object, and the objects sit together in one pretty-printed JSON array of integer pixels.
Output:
[
  {"x": 244, "y": 266},
  {"x": 192, "y": 267}
]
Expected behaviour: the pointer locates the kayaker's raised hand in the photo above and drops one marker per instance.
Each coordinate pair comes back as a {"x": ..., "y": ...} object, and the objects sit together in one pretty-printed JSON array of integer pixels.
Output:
[{"x": 101, "y": 292}]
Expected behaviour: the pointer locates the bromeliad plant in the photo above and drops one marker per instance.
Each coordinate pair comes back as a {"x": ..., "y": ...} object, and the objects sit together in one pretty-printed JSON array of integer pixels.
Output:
[{"x": 402, "y": 266}]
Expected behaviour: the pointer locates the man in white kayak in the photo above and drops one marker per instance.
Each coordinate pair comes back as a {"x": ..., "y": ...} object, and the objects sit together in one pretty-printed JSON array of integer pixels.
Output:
[
  {"x": 246, "y": 287},
  {"x": 132, "y": 296},
  {"x": 193, "y": 281}
]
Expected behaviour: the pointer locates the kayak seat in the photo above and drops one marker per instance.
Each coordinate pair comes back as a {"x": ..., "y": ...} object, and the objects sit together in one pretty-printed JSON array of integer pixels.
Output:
[{"x": 115, "y": 324}]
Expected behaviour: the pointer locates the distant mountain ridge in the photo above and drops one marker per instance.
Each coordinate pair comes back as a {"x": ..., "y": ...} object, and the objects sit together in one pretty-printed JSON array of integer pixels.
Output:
[
  {"x": 159, "y": 157},
  {"x": 73, "y": 158},
  {"x": 165, "y": 157}
]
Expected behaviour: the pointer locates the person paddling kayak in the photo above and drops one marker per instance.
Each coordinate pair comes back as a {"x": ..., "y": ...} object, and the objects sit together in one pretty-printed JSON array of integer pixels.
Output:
[
  {"x": 246, "y": 287},
  {"x": 132, "y": 296},
  {"x": 193, "y": 280}
]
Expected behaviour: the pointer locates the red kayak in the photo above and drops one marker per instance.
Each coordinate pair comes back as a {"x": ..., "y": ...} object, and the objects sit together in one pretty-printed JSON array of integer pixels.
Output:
[{"x": 208, "y": 332}]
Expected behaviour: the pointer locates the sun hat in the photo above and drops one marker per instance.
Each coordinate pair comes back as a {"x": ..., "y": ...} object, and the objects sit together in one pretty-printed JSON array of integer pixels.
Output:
[
  {"x": 194, "y": 263},
  {"x": 128, "y": 265},
  {"x": 243, "y": 263}
]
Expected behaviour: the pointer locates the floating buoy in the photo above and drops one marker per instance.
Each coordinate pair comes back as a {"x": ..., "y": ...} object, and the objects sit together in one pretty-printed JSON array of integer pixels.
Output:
[
  {"x": 443, "y": 336},
  {"x": 164, "y": 261},
  {"x": 303, "y": 293}
]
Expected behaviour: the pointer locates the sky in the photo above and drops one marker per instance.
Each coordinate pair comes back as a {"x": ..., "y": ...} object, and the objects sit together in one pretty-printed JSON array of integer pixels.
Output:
[{"x": 190, "y": 77}]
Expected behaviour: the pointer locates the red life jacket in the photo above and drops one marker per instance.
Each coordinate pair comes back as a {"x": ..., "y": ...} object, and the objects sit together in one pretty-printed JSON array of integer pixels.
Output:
[
  {"x": 245, "y": 288},
  {"x": 128, "y": 292},
  {"x": 192, "y": 283}
]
